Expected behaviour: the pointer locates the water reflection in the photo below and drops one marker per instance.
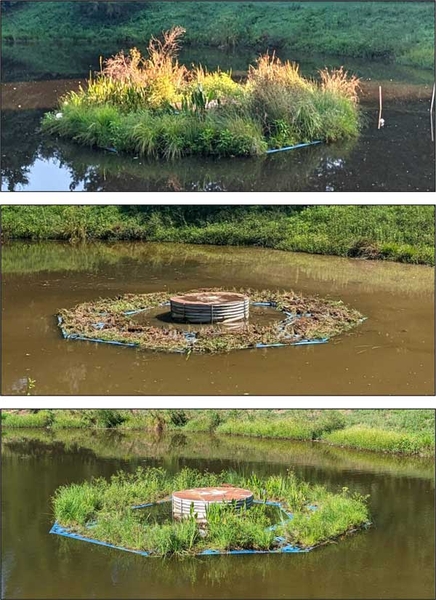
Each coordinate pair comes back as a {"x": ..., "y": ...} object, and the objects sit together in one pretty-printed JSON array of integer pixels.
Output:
[
  {"x": 395, "y": 159},
  {"x": 401, "y": 157},
  {"x": 60, "y": 165},
  {"x": 177, "y": 449},
  {"x": 394, "y": 559},
  {"x": 391, "y": 352},
  {"x": 136, "y": 260}
]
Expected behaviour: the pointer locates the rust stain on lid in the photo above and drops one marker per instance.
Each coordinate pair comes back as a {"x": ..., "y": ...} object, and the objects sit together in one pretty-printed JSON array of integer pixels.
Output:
[
  {"x": 214, "y": 494},
  {"x": 208, "y": 298}
]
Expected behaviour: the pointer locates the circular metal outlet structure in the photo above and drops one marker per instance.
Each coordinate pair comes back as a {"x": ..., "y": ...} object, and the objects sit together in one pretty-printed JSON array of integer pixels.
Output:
[
  {"x": 201, "y": 498},
  {"x": 210, "y": 307}
]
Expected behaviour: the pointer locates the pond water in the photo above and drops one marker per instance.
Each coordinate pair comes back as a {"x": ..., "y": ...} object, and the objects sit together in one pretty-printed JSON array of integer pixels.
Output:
[
  {"x": 399, "y": 157},
  {"x": 392, "y": 352},
  {"x": 393, "y": 559}
]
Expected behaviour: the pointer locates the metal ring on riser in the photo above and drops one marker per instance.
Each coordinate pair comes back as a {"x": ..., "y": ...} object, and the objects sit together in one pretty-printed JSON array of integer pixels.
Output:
[{"x": 209, "y": 314}]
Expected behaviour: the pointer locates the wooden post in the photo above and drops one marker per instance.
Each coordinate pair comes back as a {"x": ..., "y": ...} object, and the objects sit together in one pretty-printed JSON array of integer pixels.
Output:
[
  {"x": 380, "y": 103},
  {"x": 431, "y": 113}
]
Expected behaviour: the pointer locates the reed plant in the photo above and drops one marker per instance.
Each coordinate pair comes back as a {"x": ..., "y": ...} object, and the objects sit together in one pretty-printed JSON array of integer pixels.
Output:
[
  {"x": 293, "y": 109},
  {"x": 131, "y": 81}
]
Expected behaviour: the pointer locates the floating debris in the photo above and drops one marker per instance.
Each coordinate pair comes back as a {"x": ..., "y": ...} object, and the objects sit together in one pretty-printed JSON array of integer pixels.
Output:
[{"x": 306, "y": 320}]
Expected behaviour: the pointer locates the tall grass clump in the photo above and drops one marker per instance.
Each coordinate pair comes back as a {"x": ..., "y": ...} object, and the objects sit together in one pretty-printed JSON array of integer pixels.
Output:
[
  {"x": 247, "y": 529},
  {"x": 293, "y": 109},
  {"x": 335, "y": 515},
  {"x": 77, "y": 504},
  {"x": 131, "y": 81},
  {"x": 39, "y": 418},
  {"x": 107, "y": 506},
  {"x": 382, "y": 440},
  {"x": 153, "y": 106}
]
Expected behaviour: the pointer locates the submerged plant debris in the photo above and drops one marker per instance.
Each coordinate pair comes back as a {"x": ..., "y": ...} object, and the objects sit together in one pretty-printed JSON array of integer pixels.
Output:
[
  {"x": 305, "y": 319},
  {"x": 117, "y": 512}
]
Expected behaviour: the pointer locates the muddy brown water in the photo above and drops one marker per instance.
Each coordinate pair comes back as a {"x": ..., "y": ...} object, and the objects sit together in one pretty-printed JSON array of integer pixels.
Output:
[
  {"x": 399, "y": 157},
  {"x": 392, "y": 352},
  {"x": 393, "y": 559}
]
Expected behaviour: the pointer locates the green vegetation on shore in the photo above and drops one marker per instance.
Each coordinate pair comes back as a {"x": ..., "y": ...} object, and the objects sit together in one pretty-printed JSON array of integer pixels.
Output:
[
  {"x": 393, "y": 430},
  {"x": 396, "y": 31},
  {"x": 107, "y": 504},
  {"x": 154, "y": 107},
  {"x": 399, "y": 233}
]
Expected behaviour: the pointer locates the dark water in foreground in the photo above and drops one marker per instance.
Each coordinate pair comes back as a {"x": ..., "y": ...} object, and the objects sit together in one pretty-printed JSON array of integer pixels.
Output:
[
  {"x": 400, "y": 157},
  {"x": 392, "y": 352},
  {"x": 394, "y": 559}
]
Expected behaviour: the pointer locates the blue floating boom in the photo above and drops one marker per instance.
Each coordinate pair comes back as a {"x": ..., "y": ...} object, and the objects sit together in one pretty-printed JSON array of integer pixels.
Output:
[
  {"x": 283, "y": 547},
  {"x": 273, "y": 150}
]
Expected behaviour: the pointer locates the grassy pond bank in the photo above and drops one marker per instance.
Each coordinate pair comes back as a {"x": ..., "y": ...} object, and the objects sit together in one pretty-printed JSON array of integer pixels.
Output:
[
  {"x": 392, "y": 431},
  {"x": 399, "y": 233},
  {"x": 370, "y": 30}
]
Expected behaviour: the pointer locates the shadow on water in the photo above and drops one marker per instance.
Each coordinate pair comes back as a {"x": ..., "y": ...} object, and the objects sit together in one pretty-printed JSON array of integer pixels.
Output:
[
  {"x": 399, "y": 157},
  {"x": 394, "y": 559}
]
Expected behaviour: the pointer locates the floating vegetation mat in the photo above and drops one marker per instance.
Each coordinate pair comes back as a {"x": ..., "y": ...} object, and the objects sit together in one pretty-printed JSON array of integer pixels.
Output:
[
  {"x": 132, "y": 512},
  {"x": 142, "y": 321},
  {"x": 155, "y": 107}
]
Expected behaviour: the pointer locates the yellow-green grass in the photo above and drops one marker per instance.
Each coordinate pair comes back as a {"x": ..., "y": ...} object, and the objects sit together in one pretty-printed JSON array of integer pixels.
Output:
[
  {"x": 152, "y": 106},
  {"x": 375, "y": 438}
]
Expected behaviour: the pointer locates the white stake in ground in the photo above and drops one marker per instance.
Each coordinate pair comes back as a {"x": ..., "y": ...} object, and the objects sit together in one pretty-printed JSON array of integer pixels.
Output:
[
  {"x": 381, "y": 121},
  {"x": 431, "y": 113}
]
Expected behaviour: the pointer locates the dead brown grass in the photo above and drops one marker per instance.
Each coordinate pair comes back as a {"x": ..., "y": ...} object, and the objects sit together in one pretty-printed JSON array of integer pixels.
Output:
[{"x": 338, "y": 81}]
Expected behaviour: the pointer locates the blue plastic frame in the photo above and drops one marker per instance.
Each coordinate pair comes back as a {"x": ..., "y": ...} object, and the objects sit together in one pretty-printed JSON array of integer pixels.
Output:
[
  {"x": 284, "y": 548},
  {"x": 302, "y": 145}
]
